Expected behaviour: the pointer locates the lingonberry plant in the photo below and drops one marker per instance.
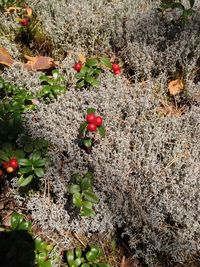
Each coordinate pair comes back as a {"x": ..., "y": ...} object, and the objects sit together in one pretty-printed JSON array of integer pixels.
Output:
[
  {"x": 51, "y": 86},
  {"x": 88, "y": 73},
  {"x": 92, "y": 124},
  {"x": 168, "y": 5},
  {"x": 82, "y": 193},
  {"x": 90, "y": 256}
]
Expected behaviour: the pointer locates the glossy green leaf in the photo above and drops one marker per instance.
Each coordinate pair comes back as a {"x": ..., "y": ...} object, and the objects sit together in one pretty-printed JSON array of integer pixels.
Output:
[
  {"x": 24, "y": 181},
  {"x": 78, "y": 252},
  {"x": 74, "y": 188},
  {"x": 16, "y": 219},
  {"x": 77, "y": 200},
  {"x": 85, "y": 265},
  {"x": 97, "y": 248},
  {"x": 70, "y": 257},
  {"x": 26, "y": 226},
  {"x": 91, "y": 62},
  {"x": 38, "y": 243},
  {"x": 86, "y": 183},
  {"x": 46, "y": 264},
  {"x": 87, "y": 212},
  {"x": 87, "y": 142},
  {"x": 77, "y": 262},
  {"x": 91, "y": 256},
  {"x": 101, "y": 131},
  {"x": 39, "y": 172},
  {"x": 92, "y": 81},
  {"x": 4, "y": 157},
  {"x": 79, "y": 75},
  {"x": 42, "y": 256},
  {"x": 25, "y": 162},
  {"x": 87, "y": 204},
  {"x": 36, "y": 155},
  {"x": 90, "y": 196},
  {"x": 76, "y": 177},
  {"x": 28, "y": 148},
  {"x": 84, "y": 70},
  {"x": 80, "y": 84},
  {"x": 106, "y": 62},
  {"x": 25, "y": 170},
  {"x": 83, "y": 127},
  {"x": 91, "y": 110},
  {"x": 39, "y": 163}
]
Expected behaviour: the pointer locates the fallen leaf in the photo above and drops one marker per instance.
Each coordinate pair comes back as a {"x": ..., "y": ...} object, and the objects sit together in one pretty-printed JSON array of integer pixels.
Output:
[
  {"x": 81, "y": 58},
  {"x": 29, "y": 11},
  {"x": 175, "y": 87},
  {"x": 39, "y": 63},
  {"x": 5, "y": 57}
]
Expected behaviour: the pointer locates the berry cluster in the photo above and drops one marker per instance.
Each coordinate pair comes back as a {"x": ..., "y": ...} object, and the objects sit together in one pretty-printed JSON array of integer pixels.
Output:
[
  {"x": 116, "y": 68},
  {"x": 10, "y": 166},
  {"x": 93, "y": 122}
]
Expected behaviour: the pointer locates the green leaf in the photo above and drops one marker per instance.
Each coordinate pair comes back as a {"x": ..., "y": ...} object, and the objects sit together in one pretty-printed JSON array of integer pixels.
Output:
[
  {"x": 83, "y": 127},
  {"x": 25, "y": 170},
  {"x": 55, "y": 74},
  {"x": 19, "y": 154},
  {"x": 90, "y": 196},
  {"x": 78, "y": 252},
  {"x": 85, "y": 265},
  {"x": 42, "y": 256},
  {"x": 84, "y": 70},
  {"x": 24, "y": 181},
  {"x": 39, "y": 172},
  {"x": 4, "y": 157},
  {"x": 86, "y": 183},
  {"x": 76, "y": 178},
  {"x": 87, "y": 142},
  {"x": 87, "y": 205},
  {"x": 97, "y": 248},
  {"x": 80, "y": 84},
  {"x": 91, "y": 256},
  {"x": 44, "y": 78},
  {"x": 79, "y": 75},
  {"x": 16, "y": 219},
  {"x": 101, "y": 131},
  {"x": 36, "y": 155},
  {"x": 106, "y": 62},
  {"x": 28, "y": 148},
  {"x": 92, "y": 81},
  {"x": 46, "y": 264},
  {"x": 25, "y": 162},
  {"x": 91, "y": 110},
  {"x": 77, "y": 200},
  {"x": 77, "y": 262},
  {"x": 26, "y": 226},
  {"x": 187, "y": 13},
  {"x": 70, "y": 257},
  {"x": 74, "y": 188},
  {"x": 38, "y": 244},
  {"x": 87, "y": 212},
  {"x": 39, "y": 163},
  {"x": 91, "y": 62}
]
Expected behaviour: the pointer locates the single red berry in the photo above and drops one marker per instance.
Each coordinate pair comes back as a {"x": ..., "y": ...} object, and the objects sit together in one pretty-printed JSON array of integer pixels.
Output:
[
  {"x": 92, "y": 127},
  {"x": 10, "y": 170},
  {"x": 117, "y": 72},
  {"x": 78, "y": 66},
  {"x": 98, "y": 121},
  {"x": 115, "y": 67},
  {"x": 24, "y": 22},
  {"x": 13, "y": 163},
  {"x": 1, "y": 172},
  {"x": 90, "y": 118},
  {"x": 5, "y": 165}
]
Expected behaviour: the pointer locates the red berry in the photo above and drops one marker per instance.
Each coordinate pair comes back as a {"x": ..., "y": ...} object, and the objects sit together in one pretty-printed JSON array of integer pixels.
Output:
[
  {"x": 5, "y": 165},
  {"x": 10, "y": 170},
  {"x": 115, "y": 67},
  {"x": 13, "y": 163},
  {"x": 92, "y": 127},
  {"x": 117, "y": 72},
  {"x": 90, "y": 118},
  {"x": 77, "y": 66},
  {"x": 1, "y": 172},
  {"x": 98, "y": 121},
  {"x": 24, "y": 22}
]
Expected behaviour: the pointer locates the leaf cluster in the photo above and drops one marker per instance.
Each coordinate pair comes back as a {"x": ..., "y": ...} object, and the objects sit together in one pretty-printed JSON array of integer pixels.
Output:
[
  {"x": 5, "y": 3},
  {"x": 173, "y": 4},
  {"x": 85, "y": 258},
  {"x": 82, "y": 193},
  {"x": 51, "y": 86},
  {"x": 90, "y": 71}
]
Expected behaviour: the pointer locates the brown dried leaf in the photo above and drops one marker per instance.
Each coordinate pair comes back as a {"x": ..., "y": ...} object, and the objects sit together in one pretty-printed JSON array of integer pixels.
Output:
[
  {"x": 5, "y": 57},
  {"x": 29, "y": 11},
  {"x": 128, "y": 262},
  {"x": 39, "y": 63},
  {"x": 175, "y": 87},
  {"x": 81, "y": 58},
  {"x": 171, "y": 111}
]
